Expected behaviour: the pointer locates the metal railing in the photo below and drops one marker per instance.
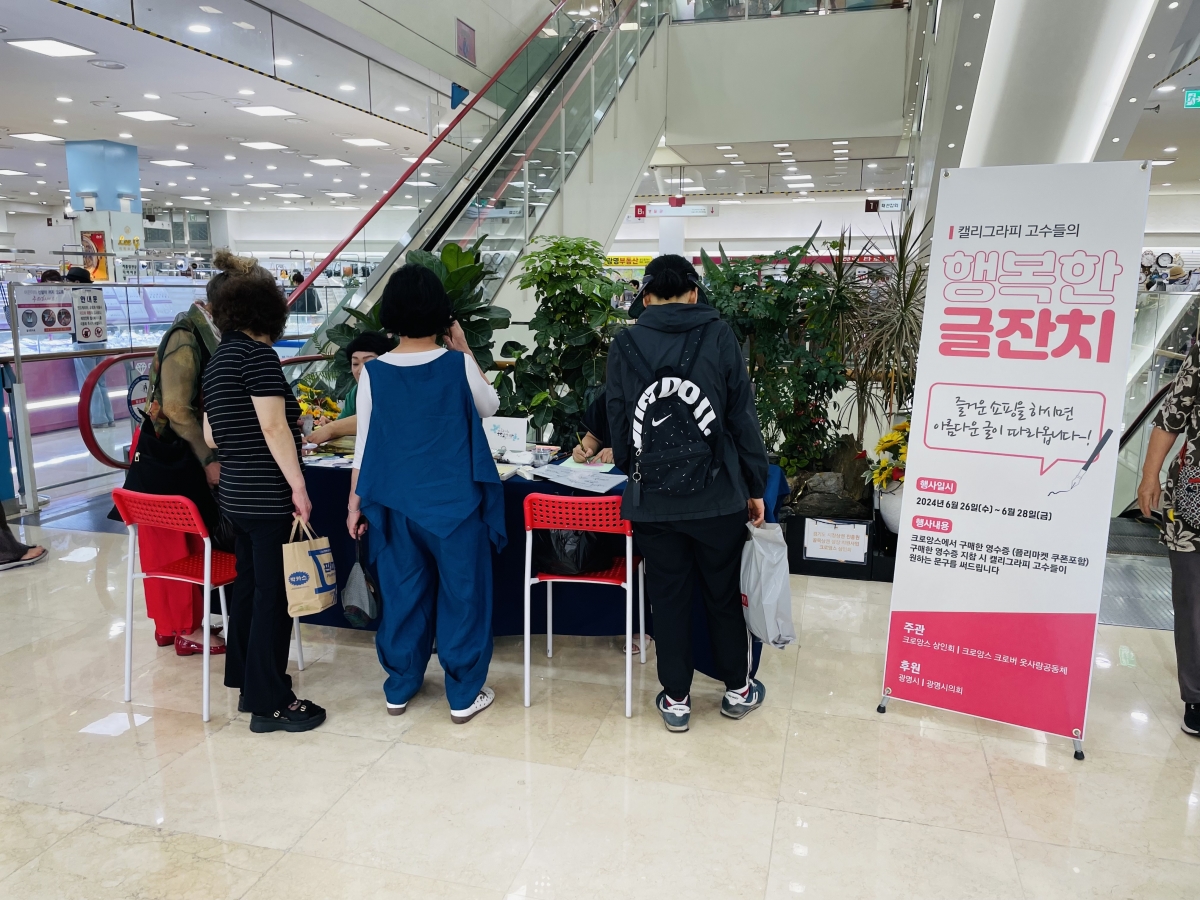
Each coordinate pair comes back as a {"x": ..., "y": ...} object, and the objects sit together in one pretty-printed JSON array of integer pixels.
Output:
[{"x": 689, "y": 11}]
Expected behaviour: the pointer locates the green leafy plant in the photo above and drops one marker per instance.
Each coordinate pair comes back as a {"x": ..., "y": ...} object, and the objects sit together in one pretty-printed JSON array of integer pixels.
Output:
[
  {"x": 464, "y": 277},
  {"x": 792, "y": 356},
  {"x": 555, "y": 381}
]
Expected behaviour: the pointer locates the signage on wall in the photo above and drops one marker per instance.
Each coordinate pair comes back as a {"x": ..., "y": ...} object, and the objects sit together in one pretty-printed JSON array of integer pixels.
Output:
[
  {"x": 1012, "y": 460},
  {"x": 626, "y": 262},
  {"x": 91, "y": 322},
  {"x": 836, "y": 540},
  {"x": 464, "y": 40},
  {"x": 43, "y": 309},
  {"x": 1191, "y": 98},
  {"x": 884, "y": 204},
  {"x": 664, "y": 211},
  {"x": 94, "y": 260}
]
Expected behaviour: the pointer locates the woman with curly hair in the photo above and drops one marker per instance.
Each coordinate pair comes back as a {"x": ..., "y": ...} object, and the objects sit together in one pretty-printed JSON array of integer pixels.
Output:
[{"x": 251, "y": 417}]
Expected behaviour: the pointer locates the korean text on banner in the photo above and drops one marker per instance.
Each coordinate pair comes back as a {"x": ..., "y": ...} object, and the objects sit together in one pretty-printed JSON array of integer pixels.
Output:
[{"x": 1000, "y": 557}]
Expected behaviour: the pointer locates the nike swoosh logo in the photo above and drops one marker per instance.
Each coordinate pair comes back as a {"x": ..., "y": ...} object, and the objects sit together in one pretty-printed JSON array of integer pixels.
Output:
[{"x": 656, "y": 422}]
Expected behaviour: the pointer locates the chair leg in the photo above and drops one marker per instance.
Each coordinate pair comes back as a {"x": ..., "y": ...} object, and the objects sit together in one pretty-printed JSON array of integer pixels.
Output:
[
  {"x": 225, "y": 613},
  {"x": 129, "y": 614},
  {"x": 550, "y": 618},
  {"x": 207, "y": 624},
  {"x": 299, "y": 645},
  {"x": 642, "y": 606},
  {"x": 525, "y": 644}
]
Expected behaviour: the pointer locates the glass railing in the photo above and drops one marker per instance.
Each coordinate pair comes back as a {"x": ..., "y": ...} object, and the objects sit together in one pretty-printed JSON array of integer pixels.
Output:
[
  {"x": 795, "y": 177},
  {"x": 725, "y": 10},
  {"x": 504, "y": 189}
]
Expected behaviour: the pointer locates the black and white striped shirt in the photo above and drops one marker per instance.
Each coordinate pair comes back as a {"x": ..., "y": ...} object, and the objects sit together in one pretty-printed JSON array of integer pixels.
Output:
[{"x": 252, "y": 483}]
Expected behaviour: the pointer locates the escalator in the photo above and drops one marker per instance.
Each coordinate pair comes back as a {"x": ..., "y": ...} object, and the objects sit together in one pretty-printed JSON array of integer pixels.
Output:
[{"x": 548, "y": 100}]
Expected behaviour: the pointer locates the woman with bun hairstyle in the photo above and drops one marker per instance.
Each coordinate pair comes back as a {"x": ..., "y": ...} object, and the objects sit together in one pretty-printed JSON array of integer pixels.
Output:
[
  {"x": 425, "y": 480},
  {"x": 251, "y": 418}
]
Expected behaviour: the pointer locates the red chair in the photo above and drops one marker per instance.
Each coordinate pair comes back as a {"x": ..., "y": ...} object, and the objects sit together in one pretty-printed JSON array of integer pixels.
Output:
[
  {"x": 603, "y": 514},
  {"x": 212, "y": 568}
]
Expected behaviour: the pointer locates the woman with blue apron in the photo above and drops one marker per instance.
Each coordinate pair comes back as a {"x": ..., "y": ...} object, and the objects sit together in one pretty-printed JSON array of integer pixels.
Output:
[{"x": 425, "y": 480}]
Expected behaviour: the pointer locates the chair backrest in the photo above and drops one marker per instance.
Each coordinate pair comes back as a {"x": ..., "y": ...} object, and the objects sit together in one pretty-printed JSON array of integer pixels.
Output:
[
  {"x": 171, "y": 511},
  {"x": 575, "y": 513}
]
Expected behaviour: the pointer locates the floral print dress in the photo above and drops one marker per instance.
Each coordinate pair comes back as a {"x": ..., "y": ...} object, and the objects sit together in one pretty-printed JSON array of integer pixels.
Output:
[{"x": 1180, "y": 414}]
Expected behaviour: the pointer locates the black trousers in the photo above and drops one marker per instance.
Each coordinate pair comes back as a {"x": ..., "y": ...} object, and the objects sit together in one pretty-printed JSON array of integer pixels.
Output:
[
  {"x": 1185, "y": 592},
  {"x": 677, "y": 554},
  {"x": 260, "y": 628}
]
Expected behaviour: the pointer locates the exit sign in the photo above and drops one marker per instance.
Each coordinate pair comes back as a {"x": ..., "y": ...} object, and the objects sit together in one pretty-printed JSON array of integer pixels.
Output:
[{"x": 1191, "y": 98}]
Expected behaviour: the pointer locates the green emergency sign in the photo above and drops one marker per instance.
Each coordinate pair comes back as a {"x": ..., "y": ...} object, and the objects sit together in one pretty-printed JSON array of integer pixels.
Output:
[{"x": 1191, "y": 98}]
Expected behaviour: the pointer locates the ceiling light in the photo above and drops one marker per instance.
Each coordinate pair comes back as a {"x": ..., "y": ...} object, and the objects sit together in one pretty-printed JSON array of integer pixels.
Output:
[
  {"x": 870, "y": 190},
  {"x": 191, "y": 178},
  {"x": 51, "y": 47},
  {"x": 424, "y": 174},
  {"x": 959, "y": 106},
  {"x": 12, "y": 172},
  {"x": 345, "y": 87},
  {"x": 183, "y": 124},
  {"x": 429, "y": 159},
  {"x": 291, "y": 196},
  {"x": 144, "y": 190},
  {"x": 839, "y": 143},
  {"x": 330, "y": 162},
  {"x": 1173, "y": 5},
  {"x": 728, "y": 202},
  {"x": 337, "y": 194},
  {"x": 272, "y": 168},
  {"x": 781, "y": 145},
  {"x": 283, "y": 62},
  {"x": 797, "y": 177},
  {"x": 1162, "y": 162},
  {"x": 738, "y": 162},
  {"x": 1166, "y": 89},
  {"x": 63, "y": 99},
  {"x": 1166, "y": 184},
  {"x": 181, "y": 146},
  {"x": 148, "y": 115},
  {"x": 105, "y": 64},
  {"x": 171, "y": 184},
  {"x": 724, "y": 146},
  {"x": 420, "y": 184},
  {"x": 1116, "y": 140},
  {"x": 365, "y": 174},
  {"x": 169, "y": 203},
  {"x": 246, "y": 202},
  {"x": 60, "y": 122},
  {"x": 40, "y": 165},
  {"x": 264, "y": 184},
  {"x": 729, "y": 155},
  {"x": 193, "y": 197},
  {"x": 235, "y": 194},
  {"x": 152, "y": 96},
  {"x": 169, "y": 162},
  {"x": 41, "y": 182},
  {"x": 785, "y": 153},
  {"x": 365, "y": 142},
  {"x": 872, "y": 165},
  {"x": 401, "y": 109},
  {"x": 262, "y": 198},
  {"x": 337, "y": 181},
  {"x": 246, "y": 92},
  {"x": 199, "y": 29},
  {"x": 1169, "y": 149},
  {"x": 125, "y": 135},
  {"x": 263, "y": 145},
  {"x": 266, "y": 111},
  {"x": 720, "y": 171},
  {"x": 36, "y": 136},
  {"x": 363, "y": 186}
]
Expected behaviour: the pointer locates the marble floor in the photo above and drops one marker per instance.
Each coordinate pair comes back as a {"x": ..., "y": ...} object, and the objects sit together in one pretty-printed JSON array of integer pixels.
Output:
[{"x": 815, "y": 795}]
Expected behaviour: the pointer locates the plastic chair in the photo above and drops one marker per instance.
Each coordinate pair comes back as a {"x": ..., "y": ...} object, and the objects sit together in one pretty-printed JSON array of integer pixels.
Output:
[
  {"x": 602, "y": 514},
  {"x": 212, "y": 568}
]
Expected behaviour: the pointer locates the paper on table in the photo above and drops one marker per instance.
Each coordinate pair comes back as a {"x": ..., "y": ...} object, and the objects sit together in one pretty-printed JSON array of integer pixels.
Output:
[
  {"x": 330, "y": 462},
  {"x": 584, "y": 479},
  {"x": 589, "y": 466}
]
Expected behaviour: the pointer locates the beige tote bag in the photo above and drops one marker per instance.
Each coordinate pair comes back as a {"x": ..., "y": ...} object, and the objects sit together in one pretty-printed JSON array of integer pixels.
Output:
[{"x": 309, "y": 574}]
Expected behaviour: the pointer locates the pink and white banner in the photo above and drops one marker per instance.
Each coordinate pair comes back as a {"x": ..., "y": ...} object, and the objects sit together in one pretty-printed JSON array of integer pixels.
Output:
[{"x": 1013, "y": 448}]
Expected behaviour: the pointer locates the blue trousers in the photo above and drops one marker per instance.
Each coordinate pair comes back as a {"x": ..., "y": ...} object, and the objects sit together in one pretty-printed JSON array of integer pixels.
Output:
[{"x": 429, "y": 583}]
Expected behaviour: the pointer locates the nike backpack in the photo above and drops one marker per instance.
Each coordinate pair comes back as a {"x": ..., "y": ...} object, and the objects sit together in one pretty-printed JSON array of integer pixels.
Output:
[{"x": 673, "y": 424}]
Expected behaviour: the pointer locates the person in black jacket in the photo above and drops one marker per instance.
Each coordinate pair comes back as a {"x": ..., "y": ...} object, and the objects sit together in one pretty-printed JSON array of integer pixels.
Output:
[{"x": 696, "y": 534}]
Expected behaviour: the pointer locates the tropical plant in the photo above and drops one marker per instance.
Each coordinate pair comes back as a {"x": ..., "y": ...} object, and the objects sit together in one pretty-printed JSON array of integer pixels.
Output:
[
  {"x": 554, "y": 382},
  {"x": 792, "y": 354},
  {"x": 463, "y": 276}
]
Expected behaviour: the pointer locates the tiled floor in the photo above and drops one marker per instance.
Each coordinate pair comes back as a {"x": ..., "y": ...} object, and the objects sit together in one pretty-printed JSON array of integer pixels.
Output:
[{"x": 815, "y": 795}]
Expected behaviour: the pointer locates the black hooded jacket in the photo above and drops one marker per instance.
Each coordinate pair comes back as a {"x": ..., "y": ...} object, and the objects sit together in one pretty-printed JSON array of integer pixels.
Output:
[{"x": 721, "y": 373}]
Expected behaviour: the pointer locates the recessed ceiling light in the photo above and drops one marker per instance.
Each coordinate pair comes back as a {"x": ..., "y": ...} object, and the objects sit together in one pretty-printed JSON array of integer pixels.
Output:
[
  {"x": 12, "y": 172},
  {"x": 951, "y": 146},
  {"x": 1166, "y": 184},
  {"x": 263, "y": 145},
  {"x": 230, "y": 157},
  {"x": 1162, "y": 162},
  {"x": 337, "y": 194},
  {"x": 246, "y": 92},
  {"x": 152, "y": 96},
  {"x": 41, "y": 182},
  {"x": 283, "y": 62},
  {"x": 1173, "y": 5},
  {"x": 337, "y": 181},
  {"x": 191, "y": 178},
  {"x": 172, "y": 184},
  {"x": 40, "y": 165},
  {"x": 211, "y": 10},
  {"x": 147, "y": 115},
  {"x": 1116, "y": 140},
  {"x": 235, "y": 194},
  {"x": 839, "y": 143},
  {"x": 169, "y": 203},
  {"x": 729, "y": 155},
  {"x": 429, "y": 160},
  {"x": 106, "y": 64},
  {"x": 51, "y": 47},
  {"x": 785, "y": 153},
  {"x": 1150, "y": 55},
  {"x": 1169, "y": 149},
  {"x": 366, "y": 142},
  {"x": 420, "y": 184},
  {"x": 193, "y": 197},
  {"x": 33, "y": 193},
  {"x": 1166, "y": 89},
  {"x": 738, "y": 162},
  {"x": 169, "y": 162},
  {"x": 63, "y": 99},
  {"x": 720, "y": 171},
  {"x": 36, "y": 136},
  {"x": 199, "y": 29},
  {"x": 330, "y": 162},
  {"x": 870, "y": 190},
  {"x": 1133, "y": 99},
  {"x": 262, "y": 198},
  {"x": 308, "y": 175},
  {"x": 181, "y": 146},
  {"x": 872, "y": 165},
  {"x": 401, "y": 109},
  {"x": 291, "y": 196},
  {"x": 365, "y": 174},
  {"x": 272, "y": 168},
  {"x": 61, "y": 122},
  {"x": 724, "y": 146},
  {"x": 781, "y": 145},
  {"x": 345, "y": 87},
  {"x": 266, "y": 111},
  {"x": 959, "y": 106},
  {"x": 264, "y": 184}
]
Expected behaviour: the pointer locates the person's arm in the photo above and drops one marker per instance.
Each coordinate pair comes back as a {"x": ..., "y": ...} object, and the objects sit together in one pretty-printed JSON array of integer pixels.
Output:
[
  {"x": 619, "y": 428},
  {"x": 1169, "y": 423},
  {"x": 741, "y": 421},
  {"x": 272, "y": 418},
  {"x": 209, "y": 440},
  {"x": 179, "y": 378},
  {"x": 333, "y": 430},
  {"x": 1149, "y": 493},
  {"x": 356, "y": 524},
  {"x": 487, "y": 401}
]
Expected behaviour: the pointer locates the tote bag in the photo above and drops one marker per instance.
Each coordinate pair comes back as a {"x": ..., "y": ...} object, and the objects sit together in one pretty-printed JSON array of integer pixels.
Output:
[
  {"x": 308, "y": 571},
  {"x": 766, "y": 588}
]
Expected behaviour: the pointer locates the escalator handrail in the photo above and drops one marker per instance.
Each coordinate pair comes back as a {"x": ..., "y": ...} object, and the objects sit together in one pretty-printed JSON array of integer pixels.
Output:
[
  {"x": 421, "y": 157},
  {"x": 1140, "y": 419}
]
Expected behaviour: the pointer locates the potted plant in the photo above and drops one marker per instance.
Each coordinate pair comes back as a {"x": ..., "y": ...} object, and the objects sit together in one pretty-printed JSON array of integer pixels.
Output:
[{"x": 887, "y": 473}]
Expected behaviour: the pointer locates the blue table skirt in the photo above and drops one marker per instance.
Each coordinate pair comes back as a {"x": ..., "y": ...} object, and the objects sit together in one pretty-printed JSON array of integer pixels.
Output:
[{"x": 579, "y": 609}]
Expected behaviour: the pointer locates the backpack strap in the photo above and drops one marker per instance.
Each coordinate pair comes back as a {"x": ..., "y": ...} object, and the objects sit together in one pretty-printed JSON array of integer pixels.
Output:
[
  {"x": 629, "y": 349},
  {"x": 691, "y": 349}
]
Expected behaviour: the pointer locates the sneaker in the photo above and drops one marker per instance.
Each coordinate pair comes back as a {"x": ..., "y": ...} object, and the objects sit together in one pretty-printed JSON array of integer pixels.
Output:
[
  {"x": 306, "y": 716},
  {"x": 736, "y": 704},
  {"x": 1191, "y": 719},
  {"x": 396, "y": 709},
  {"x": 675, "y": 715},
  {"x": 482, "y": 702}
]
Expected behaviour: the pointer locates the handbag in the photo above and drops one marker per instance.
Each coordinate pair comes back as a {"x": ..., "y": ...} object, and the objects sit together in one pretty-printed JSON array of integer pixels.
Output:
[
  {"x": 1186, "y": 498},
  {"x": 310, "y": 577},
  {"x": 360, "y": 596}
]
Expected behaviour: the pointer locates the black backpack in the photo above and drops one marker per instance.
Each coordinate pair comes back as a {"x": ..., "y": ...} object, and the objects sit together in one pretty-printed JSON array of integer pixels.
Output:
[{"x": 673, "y": 424}]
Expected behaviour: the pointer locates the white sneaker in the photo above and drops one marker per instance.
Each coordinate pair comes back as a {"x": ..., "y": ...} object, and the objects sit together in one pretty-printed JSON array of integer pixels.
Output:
[
  {"x": 396, "y": 709},
  {"x": 482, "y": 702}
]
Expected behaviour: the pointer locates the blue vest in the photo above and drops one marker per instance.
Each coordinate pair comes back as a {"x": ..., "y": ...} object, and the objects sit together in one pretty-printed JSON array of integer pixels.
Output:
[{"x": 426, "y": 455}]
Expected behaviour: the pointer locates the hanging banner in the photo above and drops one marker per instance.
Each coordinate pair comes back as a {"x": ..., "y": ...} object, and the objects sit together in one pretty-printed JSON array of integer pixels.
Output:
[{"x": 1013, "y": 450}]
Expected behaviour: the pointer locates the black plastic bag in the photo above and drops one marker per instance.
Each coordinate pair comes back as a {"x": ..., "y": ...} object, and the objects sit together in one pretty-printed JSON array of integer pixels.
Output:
[{"x": 564, "y": 552}]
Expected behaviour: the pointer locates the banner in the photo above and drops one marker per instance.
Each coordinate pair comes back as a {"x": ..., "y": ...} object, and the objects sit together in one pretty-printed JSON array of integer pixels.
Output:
[{"x": 1013, "y": 447}]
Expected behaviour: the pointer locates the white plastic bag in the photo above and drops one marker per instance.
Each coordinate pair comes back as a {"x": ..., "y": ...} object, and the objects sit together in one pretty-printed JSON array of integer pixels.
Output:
[{"x": 766, "y": 589}]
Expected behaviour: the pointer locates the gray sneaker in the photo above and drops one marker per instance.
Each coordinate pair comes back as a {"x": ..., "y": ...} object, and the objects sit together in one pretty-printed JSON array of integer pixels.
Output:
[
  {"x": 675, "y": 715},
  {"x": 735, "y": 706}
]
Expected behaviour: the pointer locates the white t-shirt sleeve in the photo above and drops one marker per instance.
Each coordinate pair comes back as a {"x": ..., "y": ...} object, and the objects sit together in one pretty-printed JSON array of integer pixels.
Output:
[
  {"x": 362, "y": 415},
  {"x": 487, "y": 401}
]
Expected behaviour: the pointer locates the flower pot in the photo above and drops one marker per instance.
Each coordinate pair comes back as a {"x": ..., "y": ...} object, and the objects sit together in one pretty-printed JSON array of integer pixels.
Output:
[{"x": 890, "y": 501}]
